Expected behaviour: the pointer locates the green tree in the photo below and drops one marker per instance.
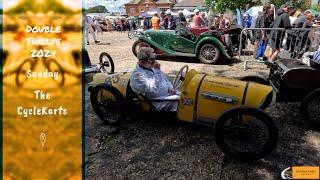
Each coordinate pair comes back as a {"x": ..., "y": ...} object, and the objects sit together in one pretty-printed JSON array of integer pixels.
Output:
[
  {"x": 97, "y": 9},
  {"x": 300, "y": 4},
  {"x": 223, "y": 5}
]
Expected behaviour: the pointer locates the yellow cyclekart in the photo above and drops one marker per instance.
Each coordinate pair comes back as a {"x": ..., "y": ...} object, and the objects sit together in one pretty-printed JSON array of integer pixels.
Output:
[{"x": 242, "y": 129}]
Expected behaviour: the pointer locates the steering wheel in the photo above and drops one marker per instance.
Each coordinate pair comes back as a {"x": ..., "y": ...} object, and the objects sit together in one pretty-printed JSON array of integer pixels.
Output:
[{"x": 178, "y": 80}]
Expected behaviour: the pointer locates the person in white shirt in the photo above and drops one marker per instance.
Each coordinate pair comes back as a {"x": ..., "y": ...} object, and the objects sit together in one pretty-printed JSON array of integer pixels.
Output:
[
  {"x": 149, "y": 81},
  {"x": 89, "y": 29}
]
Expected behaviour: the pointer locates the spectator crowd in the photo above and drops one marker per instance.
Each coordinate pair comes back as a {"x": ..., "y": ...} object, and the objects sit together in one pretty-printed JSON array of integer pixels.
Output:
[{"x": 287, "y": 16}]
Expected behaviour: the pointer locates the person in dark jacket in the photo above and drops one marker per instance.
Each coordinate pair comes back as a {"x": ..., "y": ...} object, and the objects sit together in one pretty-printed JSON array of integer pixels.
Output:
[
  {"x": 282, "y": 21},
  {"x": 264, "y": 20},
  {"x": 169, "y": 22},
  {"x": 293, "y": 39}
]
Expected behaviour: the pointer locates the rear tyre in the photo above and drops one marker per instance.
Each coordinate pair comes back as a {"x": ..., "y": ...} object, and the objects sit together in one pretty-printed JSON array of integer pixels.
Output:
[
  {"x": 137, "y": 45},
  {"x": 108, "y": 103},
  {"x": 246, "y": 134},
  {"x": 209, "y": 54},
  {"x": 310, "y": 107},
  {"x": 106, "y": 62}
]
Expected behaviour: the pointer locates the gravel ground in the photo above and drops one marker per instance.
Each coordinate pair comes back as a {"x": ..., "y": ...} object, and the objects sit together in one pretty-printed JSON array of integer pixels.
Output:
[{"x": 168, "y": 149}]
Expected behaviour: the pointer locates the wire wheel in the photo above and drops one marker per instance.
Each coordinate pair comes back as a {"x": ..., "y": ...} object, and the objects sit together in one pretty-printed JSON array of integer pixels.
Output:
[
  {"x": 108, "y": 103},
  {"x": 106, "y": 62},
  {"x": 209, "y": 54},
  {"x": 246, "y": 134}
]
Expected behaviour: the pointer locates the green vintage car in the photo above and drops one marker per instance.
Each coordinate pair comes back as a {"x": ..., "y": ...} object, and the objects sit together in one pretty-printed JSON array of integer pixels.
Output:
[{"x": 208, "y": 46}]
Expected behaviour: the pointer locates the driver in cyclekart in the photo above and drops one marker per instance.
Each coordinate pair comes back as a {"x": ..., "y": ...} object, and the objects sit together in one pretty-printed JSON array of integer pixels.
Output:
[{"x": 149, "y": 81}]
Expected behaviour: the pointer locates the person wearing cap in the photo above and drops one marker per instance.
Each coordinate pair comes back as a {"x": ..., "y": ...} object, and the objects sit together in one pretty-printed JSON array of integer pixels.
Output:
[
  {"x": 196, "y": 20},
  {"x": 281, "y": 21},
  {"x": 155, "y": 22},
  {"x": 149, "y": 81}
]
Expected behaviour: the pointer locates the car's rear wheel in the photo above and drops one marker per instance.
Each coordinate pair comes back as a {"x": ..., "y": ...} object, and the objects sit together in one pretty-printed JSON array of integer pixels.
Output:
[
  {"x": 310, "y": 107},
  {"x": 246, "y": 134},
  {"x": 209, "y": 53},
  {"x": 108, "y": 103},
  {"x": 137, "y": 45}
]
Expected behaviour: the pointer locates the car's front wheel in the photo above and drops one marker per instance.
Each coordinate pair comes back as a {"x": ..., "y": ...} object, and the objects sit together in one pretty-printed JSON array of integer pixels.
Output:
[
  {"x": 209, "y": 53},
  {"x": 108, "y": 103},
  {"x": 137, "y": 45}
]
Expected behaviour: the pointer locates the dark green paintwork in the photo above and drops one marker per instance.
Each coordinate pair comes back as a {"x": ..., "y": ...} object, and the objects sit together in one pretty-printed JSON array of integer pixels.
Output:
[{"x": 171, "y": 43}]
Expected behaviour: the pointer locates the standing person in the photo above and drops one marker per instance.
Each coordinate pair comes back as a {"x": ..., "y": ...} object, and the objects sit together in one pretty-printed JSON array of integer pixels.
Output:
[
  {"x": 216, "y": 21},
  {"x": 298, "y": 22},
  {"x": 134, "y": 25},
  {"x": 282, "y": 21},
  {"x": 155, "y": 22},
  {"x": 114, "y": 24},
  {"x": 181, "y": 21},
  {"x": 295, "y": 16},
  {"x": 264, "y": 20},
  {"x": 97, "y": 26},
  {"x": 89, "y": 29},
  {"x": 181, "y": 18},
  {"x": 204, "y": 20},
  {"x": 222, "y": 22},
  {"x": 247, "y": 20},
  {"x": 109, "y": 25},
  {"x": 162, "y": 20},
  {"x": 169, "y": 23},
  {"x": 123, "y": 25},
  {"x": 196, "y": 20},
  {"x": 144, "y": 24}
]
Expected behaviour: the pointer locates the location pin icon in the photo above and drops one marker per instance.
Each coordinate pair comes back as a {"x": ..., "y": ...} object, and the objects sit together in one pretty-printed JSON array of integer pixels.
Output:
[{"x": 43, "y": 138}]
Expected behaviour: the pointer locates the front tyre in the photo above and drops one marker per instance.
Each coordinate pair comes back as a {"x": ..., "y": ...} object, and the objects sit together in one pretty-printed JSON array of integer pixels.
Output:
[
  {"x": 108, "y": 103},
  {"x": 246, "y": 134},
  {"x": 209, "y": 54},
  {"x": 310, "y": 107},
  {"x": 106, "y": 62}
]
